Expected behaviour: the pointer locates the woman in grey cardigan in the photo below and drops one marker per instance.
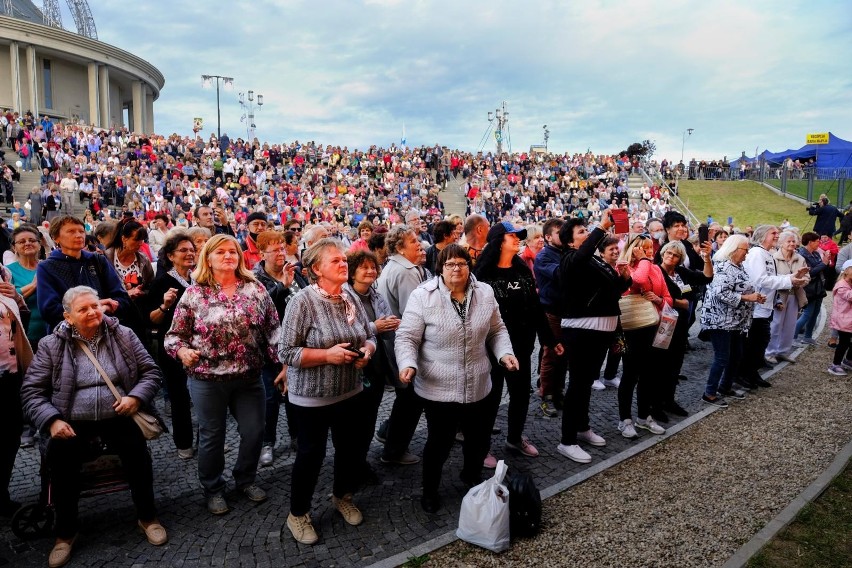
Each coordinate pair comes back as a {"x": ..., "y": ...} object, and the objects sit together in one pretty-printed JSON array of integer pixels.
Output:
[
  {"x": 326, "y": 341},
  {"x": 442, "y": 344}
]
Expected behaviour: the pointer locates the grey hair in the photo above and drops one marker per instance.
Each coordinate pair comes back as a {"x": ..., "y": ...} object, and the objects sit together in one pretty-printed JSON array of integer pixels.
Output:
[
  {"x": 788, "y": 235},
  {"x": 676, "y": 247},
  {"x": 759, "y": 234},
  {"x": 310, "y": 235},
  {"x": 395, "y": 237},
  {"x": 314, "y": 254},
  {"x": 533, "y": 231},
  {"x": 731, "y": 244},
  {"x": 73, "y": 293},
  {"x": 197, "y": 231}
]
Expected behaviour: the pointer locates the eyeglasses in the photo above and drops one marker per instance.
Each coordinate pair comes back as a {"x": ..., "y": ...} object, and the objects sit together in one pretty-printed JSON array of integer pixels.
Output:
[
  {"x": 296, "y": 229},
  {"x": 27, "y": 242},
  {"x": 185, "y": 250},
  {"x": 643, "y": 236},
  {"x": 275, "y": 251},
  {"x": 741, "y": 248},
  {"x": 455, "y": 265}
]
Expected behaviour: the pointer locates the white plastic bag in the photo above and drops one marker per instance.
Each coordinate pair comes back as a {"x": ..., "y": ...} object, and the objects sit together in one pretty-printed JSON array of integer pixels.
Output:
[
  {"x": 484, "y": 516},
  {"x": 665, "y": 331}
]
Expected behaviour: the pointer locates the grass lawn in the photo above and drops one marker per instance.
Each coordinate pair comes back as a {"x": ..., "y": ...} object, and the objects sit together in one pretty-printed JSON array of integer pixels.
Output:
[
  {"x": 820, "y": 534},
  {"x": 747, "y": 202}
]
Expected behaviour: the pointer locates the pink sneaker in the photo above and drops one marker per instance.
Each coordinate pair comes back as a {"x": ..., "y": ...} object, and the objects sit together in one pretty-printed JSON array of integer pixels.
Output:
[
  {"x": 525, "y": 448},
  {"x": 490, "y": 461}
]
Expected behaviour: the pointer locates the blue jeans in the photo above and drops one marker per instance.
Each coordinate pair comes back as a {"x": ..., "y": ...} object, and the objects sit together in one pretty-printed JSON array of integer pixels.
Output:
[
  {"x": 245, "y": 400},
  {"x": 807, "y": 321},
  {"x": 727, "y": 352}
]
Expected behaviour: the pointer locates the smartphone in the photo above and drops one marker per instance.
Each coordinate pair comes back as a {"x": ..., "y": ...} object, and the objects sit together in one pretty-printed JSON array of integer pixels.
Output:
[
  {"x": 357, "y": 352},
  {"x": 619, "y": 218},
  {"x": 703, "y": 233}
]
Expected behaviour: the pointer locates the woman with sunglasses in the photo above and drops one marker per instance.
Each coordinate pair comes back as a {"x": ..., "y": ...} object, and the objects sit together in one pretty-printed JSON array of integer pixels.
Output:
[{"x": 641, "y": 360}]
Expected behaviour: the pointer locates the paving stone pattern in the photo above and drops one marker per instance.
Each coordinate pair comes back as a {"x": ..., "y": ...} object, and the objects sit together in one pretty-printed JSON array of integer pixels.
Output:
[{"x": 250, "y": 535}]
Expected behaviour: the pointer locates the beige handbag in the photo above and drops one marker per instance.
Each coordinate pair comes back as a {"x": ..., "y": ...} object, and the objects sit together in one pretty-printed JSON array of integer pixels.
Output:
[
  {"x": 637, "y": 312},
  {"x": 151, "y": 427}
]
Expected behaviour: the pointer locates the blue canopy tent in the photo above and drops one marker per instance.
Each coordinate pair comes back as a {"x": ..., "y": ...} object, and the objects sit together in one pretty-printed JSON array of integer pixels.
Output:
[{"x": 836, "y": 154}]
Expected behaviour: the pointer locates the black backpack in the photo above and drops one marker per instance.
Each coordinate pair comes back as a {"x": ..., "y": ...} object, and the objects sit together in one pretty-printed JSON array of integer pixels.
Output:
[{"x": 524, "y": 506}]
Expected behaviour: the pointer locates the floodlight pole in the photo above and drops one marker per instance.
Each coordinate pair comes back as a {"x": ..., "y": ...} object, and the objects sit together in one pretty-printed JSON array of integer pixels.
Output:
[
  {"x": 206, "y": 78},
  {"x": 687, "y": 132}
]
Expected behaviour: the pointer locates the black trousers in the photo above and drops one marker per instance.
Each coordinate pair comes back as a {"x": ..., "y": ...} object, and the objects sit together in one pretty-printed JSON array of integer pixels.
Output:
[
  {"x": 643, "y": 365},
  {"x": 371, "y": 399},
  {"x": 404, "y": 416},
  {"x": 11, "y": 425},
  {"x": 175, "y": 376},
  {"x": 518, "y": 384},
  {"x": 587, "y": 349},
  {"x": 345, "y": 421},
  {"x": 443, "y": 420},
  {"x": 65, "y": 457},
  {"x": 755, "y": 348}
]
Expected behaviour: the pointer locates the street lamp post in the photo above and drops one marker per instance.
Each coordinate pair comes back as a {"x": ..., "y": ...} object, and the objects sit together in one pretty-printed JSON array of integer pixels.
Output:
[
  {"x": 687, "y": 132},
  {"x": 247, "y": 105},
  {"x": 206, "y": 80},
  {"x": 546, "y": 137}
]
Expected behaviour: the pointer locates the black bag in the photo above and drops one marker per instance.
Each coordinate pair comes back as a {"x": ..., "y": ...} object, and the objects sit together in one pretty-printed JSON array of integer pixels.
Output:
[{"x": 524, "y": 506}]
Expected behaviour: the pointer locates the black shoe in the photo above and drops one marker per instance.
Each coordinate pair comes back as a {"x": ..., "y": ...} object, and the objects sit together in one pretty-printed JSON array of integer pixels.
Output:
[
  {"x": 762, "y": 383},
  {"x": 660, "y": 416},
  {"x": 676, "y": 409},
  {"x": 431, "y": 503},
  {"x": 745, "y": 383},
  {"x": 470, "y": 480}
]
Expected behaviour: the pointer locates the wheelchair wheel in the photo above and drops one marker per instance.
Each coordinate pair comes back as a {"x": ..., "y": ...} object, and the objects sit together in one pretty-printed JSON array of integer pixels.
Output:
[{"x": 32, "y": 521}]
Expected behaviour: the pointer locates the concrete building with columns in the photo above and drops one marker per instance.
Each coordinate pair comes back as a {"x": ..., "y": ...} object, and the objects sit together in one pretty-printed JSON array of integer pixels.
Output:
[{"x": 55, "y": 72}]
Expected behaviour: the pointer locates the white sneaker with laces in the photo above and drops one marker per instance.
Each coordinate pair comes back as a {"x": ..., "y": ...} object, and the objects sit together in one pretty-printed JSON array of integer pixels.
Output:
[
  {"x": 266, "y": 456},
  {"x": 574, "y": 453},
  {"x": 627, "y": 430},
  {"x": 591, "y": 438},
  {"x": 613, "y": 383},
  {"x": 649, "y": 425},
  {"x": 598, "y": 385}
]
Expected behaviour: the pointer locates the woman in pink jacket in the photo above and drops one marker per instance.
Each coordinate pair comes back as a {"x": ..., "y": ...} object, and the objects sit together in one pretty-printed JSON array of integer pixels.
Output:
[
  {"x": 841, "y": 320},
  {"x": 641, "y": 361}
]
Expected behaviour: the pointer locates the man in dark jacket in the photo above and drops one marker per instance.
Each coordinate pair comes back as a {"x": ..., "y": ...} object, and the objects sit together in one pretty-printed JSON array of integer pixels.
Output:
[
  {"x": 553, "y": 367},
  {"x": 826, "y": 216}
]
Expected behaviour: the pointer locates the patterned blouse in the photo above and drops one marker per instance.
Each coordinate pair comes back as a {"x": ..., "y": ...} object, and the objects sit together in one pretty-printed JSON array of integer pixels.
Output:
[{"x": 235, "y": 337}]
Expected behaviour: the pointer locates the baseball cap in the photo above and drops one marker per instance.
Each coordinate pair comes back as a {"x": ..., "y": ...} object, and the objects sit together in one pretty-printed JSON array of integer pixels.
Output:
[{"x": 496, "y": 232}]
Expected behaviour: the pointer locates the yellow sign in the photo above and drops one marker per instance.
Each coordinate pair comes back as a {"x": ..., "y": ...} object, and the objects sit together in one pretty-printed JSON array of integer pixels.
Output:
[{"x": 817, "y": 138}]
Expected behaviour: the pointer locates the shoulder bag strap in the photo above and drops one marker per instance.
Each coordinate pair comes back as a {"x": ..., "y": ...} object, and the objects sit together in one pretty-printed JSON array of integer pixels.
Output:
[{"x": 100, "y": 369}]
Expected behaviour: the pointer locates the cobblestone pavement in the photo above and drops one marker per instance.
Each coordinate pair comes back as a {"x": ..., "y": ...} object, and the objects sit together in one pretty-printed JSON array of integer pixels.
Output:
[{"x": 250, "y": 535}]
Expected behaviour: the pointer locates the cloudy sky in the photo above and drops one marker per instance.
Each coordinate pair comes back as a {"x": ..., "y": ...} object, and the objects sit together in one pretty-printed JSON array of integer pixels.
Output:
[{"x": 599, "y": 74}]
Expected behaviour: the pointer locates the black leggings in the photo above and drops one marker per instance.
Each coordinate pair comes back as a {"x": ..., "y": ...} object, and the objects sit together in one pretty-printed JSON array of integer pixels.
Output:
[
  {"x": 843, "y": 345},
  {"x": 518, "y": 384}
]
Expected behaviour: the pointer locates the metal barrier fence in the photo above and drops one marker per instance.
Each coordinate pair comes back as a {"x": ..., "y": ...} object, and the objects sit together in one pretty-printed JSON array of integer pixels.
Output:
[{"x": 674, "y": 198}]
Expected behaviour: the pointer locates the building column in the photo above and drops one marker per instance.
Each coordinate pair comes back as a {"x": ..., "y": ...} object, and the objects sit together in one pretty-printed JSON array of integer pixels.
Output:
[
  {"x": 94, "y": 113},
  {"x": 149, "y": 111},
  {"x": 32, "y": 73},
  {"x": 15, "y": 65},
  {"x": 138, "y": 108},
  {"x": 103, "y": 97}
]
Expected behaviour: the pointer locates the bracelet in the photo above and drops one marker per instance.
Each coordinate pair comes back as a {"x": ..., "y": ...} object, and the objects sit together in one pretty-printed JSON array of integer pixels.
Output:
[{"x": 162, "y": 309}]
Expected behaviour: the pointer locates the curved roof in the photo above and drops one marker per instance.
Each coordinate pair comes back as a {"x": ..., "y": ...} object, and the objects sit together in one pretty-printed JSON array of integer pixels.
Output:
[{"x": 26, "y": 10}]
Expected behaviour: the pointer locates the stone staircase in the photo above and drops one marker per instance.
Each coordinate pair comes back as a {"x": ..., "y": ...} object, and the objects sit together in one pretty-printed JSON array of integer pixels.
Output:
[
  {"x": 28, "y": 181},
  {"x": 455, "y": 201}
]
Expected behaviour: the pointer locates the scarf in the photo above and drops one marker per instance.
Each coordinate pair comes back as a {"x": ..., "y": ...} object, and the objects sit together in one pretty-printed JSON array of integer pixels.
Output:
[
  {"x": 174, "y": 274},
  {"x": 349, "y": 306}
]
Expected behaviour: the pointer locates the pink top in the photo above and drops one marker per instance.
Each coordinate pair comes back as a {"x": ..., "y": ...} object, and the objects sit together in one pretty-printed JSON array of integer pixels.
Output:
[
  {"x": 648, "y": 277},
  {"x": 841, "y": 313}
]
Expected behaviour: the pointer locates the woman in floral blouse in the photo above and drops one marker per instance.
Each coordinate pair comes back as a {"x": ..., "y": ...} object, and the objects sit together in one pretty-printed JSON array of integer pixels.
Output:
[{"x": 224, "y": 329}]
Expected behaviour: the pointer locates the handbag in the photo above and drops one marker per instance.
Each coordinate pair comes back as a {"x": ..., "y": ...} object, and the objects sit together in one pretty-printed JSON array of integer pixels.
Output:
[
  {"x": 637, "y": 312},
  {"x": 666, "y": 329},
  {"x": 150, "y": 425}
]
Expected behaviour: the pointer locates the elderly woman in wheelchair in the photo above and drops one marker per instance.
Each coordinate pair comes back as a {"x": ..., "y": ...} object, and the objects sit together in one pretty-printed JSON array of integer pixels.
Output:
[{"x": 65, "y": 396}]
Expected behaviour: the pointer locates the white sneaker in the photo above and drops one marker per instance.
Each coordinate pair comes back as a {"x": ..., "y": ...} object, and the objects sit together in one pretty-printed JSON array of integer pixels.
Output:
[
  {"x": 266, "y": 456},
  {"x": 574, "y": 453},
  {"x": 649, "y": 425},
  {"x": 598, "y": 385},
  {"x": 591, "y": 438},
  {"x": 627, "y": 430},
  {"x": 614, "y": 383}
]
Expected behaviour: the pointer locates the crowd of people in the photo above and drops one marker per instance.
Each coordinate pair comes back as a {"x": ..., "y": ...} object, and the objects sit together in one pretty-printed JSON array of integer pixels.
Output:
[{"x": 242, "y": 277}]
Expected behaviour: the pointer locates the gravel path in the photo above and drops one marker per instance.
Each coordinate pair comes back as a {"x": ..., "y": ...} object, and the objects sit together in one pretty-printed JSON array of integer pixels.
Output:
[{"x": 695, "y": 498}]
